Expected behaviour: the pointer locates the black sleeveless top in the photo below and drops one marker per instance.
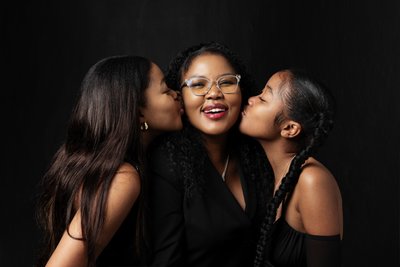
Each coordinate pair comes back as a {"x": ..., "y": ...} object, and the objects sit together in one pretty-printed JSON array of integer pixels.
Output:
[
  {"x": 122, "y": 249},
  {"x": 291, "y": 248},
  {"x": 288, "y": 245}
]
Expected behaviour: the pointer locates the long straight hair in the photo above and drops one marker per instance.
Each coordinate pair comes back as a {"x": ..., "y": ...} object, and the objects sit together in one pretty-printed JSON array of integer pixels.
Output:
[{"x": 103, "y": 132}]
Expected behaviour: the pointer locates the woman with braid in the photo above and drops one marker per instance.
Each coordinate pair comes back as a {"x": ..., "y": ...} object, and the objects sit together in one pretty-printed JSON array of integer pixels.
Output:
[{"x": 290, "y": 118}]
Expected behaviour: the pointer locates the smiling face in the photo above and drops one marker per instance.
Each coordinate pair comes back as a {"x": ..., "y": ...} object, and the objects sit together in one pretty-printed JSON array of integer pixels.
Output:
[
  {"x": 214, "y": 113},
  {"x": 162, "y": 110},
  {"x": 259, "y": 116}
]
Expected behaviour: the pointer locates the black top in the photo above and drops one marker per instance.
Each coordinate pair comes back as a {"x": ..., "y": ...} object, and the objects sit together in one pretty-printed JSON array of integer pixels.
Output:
[
  {"x": 291, "y": 248},
  {"x": 121, "y": 250},
  {"x": 208, "y": 229}
]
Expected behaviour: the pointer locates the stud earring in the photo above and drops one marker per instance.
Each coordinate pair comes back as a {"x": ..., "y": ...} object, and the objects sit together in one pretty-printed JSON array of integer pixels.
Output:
[{"x": 144, "y": 126}]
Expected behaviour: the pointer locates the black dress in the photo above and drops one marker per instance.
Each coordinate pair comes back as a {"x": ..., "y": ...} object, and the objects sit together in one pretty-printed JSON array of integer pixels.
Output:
[
  {"x": 291, "y": 248},
  {"x": 121, "y": 250},
  {"x": 208, "y": 229}
]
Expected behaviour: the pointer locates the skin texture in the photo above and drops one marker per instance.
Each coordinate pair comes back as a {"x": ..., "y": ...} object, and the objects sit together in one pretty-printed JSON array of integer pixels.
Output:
[
  {"x": 215, "y": 128},
  {"x": 259, "y": 116},
  {"x": 163, "y": 108},
  {"x": 316, "y": 206},
  {"x": 162, "y": 113},
  {"x": 212, "y": 67}
]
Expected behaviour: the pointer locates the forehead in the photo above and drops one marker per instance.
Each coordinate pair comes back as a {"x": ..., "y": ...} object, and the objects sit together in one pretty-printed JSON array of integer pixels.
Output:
[
  {"x": 277, "y": 81},
  {"x": 155, "y": 79},
  {"x": 209, "y": 65},
  {"x": 155, "y": 71}
]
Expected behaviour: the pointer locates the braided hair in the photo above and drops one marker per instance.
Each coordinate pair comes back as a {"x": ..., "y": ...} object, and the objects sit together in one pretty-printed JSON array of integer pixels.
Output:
[{"x": 309, "y": 103}]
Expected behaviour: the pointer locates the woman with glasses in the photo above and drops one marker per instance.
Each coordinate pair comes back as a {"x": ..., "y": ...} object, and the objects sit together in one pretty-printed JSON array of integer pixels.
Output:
[
  {"x": 205, "y": 187},
  {"x": 290, "y": 118},
  {"x": 90, "y": 201}
]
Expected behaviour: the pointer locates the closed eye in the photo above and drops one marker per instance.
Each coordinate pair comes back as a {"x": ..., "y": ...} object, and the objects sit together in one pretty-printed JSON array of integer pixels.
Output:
[
  {"x": 262, "y": 99},
  {"x": 226, "y": 83},
  {"x": 197, "y": 85},
  {"x": 172, "y": 92}
]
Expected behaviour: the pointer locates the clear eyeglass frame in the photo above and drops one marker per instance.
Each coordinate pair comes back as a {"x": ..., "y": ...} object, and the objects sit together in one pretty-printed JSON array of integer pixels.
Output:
[{"x": 200, "y": 89}]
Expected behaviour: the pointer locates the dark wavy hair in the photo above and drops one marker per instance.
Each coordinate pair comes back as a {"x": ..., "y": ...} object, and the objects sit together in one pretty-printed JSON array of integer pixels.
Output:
[
  {"x": 186, "y": 148},
  {"x": 181, "y": 63},
  {"x": 103, "y": 132},
  {"x": 308, "y": 102}
]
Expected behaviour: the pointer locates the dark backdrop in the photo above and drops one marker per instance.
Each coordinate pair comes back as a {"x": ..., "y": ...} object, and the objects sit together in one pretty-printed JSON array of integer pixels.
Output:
[{"x": 355, "y": 48}]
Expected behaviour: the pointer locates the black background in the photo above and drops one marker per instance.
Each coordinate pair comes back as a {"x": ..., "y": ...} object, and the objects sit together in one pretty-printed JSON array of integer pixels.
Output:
[{"x": 47, "y": 47}]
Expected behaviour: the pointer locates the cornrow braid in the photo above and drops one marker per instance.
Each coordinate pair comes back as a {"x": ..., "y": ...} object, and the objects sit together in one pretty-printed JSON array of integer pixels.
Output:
[{"x": 287, "y": 185}]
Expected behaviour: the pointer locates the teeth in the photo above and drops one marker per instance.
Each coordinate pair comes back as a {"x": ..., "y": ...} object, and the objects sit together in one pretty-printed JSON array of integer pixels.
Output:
[{"x": 214, "y": 110}]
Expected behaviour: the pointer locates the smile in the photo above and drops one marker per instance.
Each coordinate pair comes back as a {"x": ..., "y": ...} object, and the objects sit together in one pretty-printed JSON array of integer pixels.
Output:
[{"x": 215, "y": 111}]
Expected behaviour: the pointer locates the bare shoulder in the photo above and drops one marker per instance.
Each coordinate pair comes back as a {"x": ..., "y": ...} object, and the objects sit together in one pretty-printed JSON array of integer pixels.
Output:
[
  {"x": 319, "y": 200},
  {"x": 315, "y": 177},
  {"x": 123, "y": 193},
  {"x": 126, "y": 180}
]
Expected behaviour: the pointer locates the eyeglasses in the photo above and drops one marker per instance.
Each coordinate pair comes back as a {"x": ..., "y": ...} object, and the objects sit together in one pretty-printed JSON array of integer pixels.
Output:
[{"x": 227, "y": 84}]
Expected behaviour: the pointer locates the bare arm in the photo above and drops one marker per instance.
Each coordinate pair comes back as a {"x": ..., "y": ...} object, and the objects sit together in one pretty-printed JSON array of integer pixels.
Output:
[{"x": 124, "y": 191}]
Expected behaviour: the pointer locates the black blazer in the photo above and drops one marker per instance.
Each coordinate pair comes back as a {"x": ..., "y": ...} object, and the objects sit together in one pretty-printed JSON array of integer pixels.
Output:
[{"x": 207, "y": 229}]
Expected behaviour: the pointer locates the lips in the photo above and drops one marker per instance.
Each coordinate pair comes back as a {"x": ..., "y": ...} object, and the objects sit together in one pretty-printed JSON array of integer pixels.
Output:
[
  {"x": 215, "y": 111},
  {"x": 244, "y": 111}
]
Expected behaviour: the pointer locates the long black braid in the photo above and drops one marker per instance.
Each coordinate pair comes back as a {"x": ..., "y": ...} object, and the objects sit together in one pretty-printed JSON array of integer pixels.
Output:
[{"x": 309, "y": 103}]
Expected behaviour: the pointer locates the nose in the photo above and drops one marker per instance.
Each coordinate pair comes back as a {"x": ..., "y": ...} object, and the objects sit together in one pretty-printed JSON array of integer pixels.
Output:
[
  {"x": 214, "y": 92},
  {"x": 251, "y": 100}
]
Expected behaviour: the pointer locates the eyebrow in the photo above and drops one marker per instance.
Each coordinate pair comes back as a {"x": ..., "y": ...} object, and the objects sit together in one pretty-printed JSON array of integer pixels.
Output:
[{"x": 202, "y": 76}]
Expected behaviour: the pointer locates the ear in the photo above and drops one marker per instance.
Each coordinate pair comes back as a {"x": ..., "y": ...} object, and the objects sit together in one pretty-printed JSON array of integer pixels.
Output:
[{"x": 290, "y": 129}]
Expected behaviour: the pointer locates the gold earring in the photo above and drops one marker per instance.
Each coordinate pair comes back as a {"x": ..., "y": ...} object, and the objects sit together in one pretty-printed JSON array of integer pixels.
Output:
[{"x": 144, "y": 126}]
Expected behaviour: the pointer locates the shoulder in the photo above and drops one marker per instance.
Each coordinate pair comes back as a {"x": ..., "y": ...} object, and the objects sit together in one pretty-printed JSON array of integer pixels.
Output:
[
  {"x": 316, "y": 178},
  {"x": 126, "y": 183},
  {"x": 123, "y": 193},
  {"x": 318, "y": 199}
]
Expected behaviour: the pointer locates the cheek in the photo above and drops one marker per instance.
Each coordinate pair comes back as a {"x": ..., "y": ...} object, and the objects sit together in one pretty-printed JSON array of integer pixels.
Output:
[
  {"x": 235, "y": 102},
  {"x": 161, "y": 107},
  {"x": 191, "y": 102},
  {"x": 164, "y": 114},
  {"x": 238, "y": 101},
  {"x": 256, "y": 120}
]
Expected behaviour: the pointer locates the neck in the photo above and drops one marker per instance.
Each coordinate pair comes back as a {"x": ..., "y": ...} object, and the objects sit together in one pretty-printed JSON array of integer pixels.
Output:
[
  {"x": 279, "y": 154},
  {"x": 216, "y": 147}
]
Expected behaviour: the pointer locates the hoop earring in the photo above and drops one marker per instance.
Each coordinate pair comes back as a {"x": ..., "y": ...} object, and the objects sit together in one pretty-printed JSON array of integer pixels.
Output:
[{"x": 144, "y": 126}]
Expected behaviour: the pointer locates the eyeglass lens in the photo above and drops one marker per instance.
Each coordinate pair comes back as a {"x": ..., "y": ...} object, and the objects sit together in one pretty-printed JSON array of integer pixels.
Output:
[{"x": 200, "y": 86}]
